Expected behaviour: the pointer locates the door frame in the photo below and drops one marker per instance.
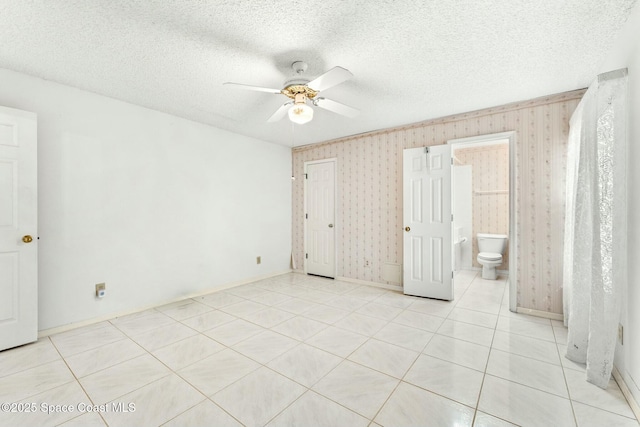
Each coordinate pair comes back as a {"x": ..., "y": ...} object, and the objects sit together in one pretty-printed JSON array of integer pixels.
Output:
[
  {"x": 513, "y": 236},
  {"x": 336, "y": 222}
]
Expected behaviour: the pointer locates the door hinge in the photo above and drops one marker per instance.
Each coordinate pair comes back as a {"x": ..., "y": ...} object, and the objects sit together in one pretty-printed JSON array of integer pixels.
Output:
[
  {"x": 451, "y": 217},
  {"x": 306, "y": 216},
  {"x": 306, "y": 256},
  {"x": 306, "y": 176},
  {"x": 426, "y": 150},
  {"x": 452, "y": 274},
  {"x": 452, "y": 160}
]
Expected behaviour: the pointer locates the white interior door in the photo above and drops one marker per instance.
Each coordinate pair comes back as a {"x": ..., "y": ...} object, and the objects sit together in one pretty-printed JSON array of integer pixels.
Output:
[
  {"x": 18, "y": 228},
  {"x": 427, "y": 269},
  {"x": 320, "y": 231}
]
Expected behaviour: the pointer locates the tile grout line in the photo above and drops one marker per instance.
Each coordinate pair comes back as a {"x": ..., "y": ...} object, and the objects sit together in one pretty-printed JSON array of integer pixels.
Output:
[
  {"x": 484, "y": 374},
  {"x": 346, "y": 358},
  {"x": 34, "y": 366},
  {"x": 171, "y": 371},
  {"x": 308, "y": 389},
  {"x": 291, "y": 379},
  {"x": 191, "y": 385},
  {"x": 566, "y": 382},
  {"x": 77, "y": 380}
]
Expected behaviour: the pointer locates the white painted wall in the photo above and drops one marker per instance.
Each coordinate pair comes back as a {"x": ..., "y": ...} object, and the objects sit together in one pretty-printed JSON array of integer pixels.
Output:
[
  {"x": 627, "y": 54},
  {"x": 156, "y": 206}
]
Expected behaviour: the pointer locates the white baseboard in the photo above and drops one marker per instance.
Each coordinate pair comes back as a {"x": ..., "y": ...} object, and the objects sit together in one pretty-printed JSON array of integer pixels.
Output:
[
  {"x": 368, "y": 283},
  {"x": 362, "y": 282},
  {"x": 74, "y": 325},
  {"x": 538, "y": 313},
  {"x": 635, "y": 407},
  {"x": 531, "y": 312}
]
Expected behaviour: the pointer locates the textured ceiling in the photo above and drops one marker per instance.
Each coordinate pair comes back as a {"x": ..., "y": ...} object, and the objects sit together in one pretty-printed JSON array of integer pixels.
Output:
[{"x": 412, "y": 60}]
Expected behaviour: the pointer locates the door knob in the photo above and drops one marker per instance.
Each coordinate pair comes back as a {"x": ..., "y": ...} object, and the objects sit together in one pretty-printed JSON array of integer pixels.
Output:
[
  {"x": 330, "y": 225},
  {"x": 407, "y": 229},
  {"x": 27, "y": 239}
]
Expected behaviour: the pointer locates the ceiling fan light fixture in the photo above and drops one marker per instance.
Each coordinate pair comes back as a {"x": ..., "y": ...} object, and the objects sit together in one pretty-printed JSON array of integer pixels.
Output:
[{"x": 300, "y": 113}]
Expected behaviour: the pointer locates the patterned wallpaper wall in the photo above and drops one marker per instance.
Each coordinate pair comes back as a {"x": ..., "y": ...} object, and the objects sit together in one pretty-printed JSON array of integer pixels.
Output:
[
  {"x": 369, "y": 183},
  {"x": 490, "y": 193}
]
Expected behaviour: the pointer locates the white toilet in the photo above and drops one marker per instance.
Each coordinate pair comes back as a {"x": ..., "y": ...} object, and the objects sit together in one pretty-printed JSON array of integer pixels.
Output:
[{"x": 490, "y": 248}]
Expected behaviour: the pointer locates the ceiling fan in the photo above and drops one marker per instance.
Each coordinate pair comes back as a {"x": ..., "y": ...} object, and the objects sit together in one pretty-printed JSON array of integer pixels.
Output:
[{"x": 299, "y": 90}]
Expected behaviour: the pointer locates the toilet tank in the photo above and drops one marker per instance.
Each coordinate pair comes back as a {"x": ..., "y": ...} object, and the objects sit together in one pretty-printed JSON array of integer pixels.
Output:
[{"x": 494, "y": 243}]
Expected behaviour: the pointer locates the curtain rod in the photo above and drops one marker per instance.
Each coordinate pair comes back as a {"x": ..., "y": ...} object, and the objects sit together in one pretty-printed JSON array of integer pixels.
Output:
[{"x": 610, "y": 75}]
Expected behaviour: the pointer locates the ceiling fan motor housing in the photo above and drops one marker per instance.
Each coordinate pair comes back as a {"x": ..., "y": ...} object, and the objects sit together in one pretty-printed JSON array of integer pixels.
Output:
[
  {"x": 295, "y": 90},
  {"x": 296, "y": 87}
]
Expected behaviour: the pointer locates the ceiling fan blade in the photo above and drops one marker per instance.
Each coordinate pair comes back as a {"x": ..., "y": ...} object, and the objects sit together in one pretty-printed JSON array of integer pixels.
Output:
[
  {"x": 336, "y": 107},
  {"x": 334, "y": 76},
  {"x": 256, "y": 88},
  {"x": 280, "y": 112}
]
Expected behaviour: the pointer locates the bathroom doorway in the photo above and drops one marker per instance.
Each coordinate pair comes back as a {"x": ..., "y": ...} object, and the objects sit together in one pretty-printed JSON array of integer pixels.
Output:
[{"x": 483, "y": 201}]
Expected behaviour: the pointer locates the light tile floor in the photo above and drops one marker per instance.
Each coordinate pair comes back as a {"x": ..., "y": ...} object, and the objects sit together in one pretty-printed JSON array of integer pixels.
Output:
[{"x": 298, "y": 350}]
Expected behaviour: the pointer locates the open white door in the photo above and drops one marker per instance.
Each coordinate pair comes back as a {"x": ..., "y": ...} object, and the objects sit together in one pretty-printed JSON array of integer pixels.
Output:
[
  {"x": 320, "y": 230},
  {"x": 18, "y": 228},
  {"x": 427, "y": 270}
]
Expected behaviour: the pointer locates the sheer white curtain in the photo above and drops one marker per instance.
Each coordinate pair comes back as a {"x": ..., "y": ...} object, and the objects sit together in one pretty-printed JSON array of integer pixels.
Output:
[{"x": 595, "y": 225}]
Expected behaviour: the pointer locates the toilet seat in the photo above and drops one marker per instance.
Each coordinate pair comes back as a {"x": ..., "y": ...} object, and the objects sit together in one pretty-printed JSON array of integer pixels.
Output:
[{"x": 489, "y": 256}]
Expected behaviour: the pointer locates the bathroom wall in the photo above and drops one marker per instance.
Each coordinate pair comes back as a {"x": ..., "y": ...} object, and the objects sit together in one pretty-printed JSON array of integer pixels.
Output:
[
  {"x": 490, "y": 193},
  {"x": 463, "y": 213},
  {"x": 369, "y": 180}
]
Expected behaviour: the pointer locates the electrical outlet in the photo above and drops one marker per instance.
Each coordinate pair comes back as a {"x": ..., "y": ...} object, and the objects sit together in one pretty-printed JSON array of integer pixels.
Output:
[
  {"x": 100, "y": 290},
  {"x": 621, "y": 333},
  {"x": 259, "y": 260}
]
